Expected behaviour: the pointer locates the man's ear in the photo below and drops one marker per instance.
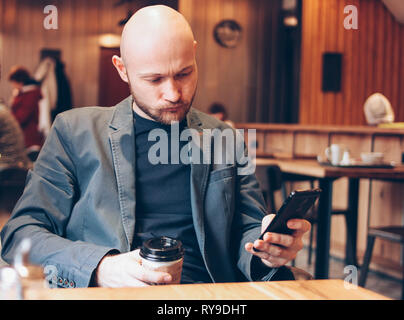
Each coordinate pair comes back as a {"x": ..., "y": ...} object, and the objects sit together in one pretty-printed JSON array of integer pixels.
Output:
[{"x": 118, "y": 64}]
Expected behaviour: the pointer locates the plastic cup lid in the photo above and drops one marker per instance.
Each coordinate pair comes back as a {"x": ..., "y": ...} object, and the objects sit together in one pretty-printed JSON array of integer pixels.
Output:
[{"x": 162, "y": 249}]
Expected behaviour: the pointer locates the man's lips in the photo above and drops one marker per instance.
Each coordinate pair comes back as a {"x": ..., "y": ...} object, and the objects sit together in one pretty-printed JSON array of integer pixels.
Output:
[{"x": 172, "y": 109}]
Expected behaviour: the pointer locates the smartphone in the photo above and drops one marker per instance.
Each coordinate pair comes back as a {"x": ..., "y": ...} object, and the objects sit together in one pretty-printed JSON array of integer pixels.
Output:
[{"x": 295, "y": 206}]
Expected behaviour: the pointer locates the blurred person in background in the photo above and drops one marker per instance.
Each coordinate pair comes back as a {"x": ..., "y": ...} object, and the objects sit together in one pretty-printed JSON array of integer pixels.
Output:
[
  {"x": 218, "y": 111},
  {"x": 378, "y": 110},
  {"x": 12, "y": 147},
  {"x": 25, "y": 106}
]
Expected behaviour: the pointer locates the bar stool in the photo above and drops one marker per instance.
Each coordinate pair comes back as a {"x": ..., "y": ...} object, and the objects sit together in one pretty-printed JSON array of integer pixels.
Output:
[{"x": 390, "y": 233}]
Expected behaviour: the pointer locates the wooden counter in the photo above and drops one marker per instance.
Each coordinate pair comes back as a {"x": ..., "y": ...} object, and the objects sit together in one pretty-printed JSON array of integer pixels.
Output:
[
  {"x": 368, "y": 130},
  {"x": 312, "y": 168},
  {"x": 309, "y": 141}
]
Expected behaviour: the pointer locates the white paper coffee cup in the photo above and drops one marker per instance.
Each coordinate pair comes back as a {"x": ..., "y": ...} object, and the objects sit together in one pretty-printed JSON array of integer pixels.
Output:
[{"x": 162, "y": 254}]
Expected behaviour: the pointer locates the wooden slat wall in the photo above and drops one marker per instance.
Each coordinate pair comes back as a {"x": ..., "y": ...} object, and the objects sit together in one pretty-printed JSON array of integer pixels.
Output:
[{"x": 373, "y": 60}]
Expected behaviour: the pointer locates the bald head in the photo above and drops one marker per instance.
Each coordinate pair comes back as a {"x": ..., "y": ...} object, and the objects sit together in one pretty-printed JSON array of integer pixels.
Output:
[
  {"x": 154, "y": 28},
  {"x": 158, "y": 62}
]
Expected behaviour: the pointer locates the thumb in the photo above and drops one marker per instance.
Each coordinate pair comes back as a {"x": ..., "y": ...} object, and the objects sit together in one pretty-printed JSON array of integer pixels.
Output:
[{"x": 266, "y": 221}]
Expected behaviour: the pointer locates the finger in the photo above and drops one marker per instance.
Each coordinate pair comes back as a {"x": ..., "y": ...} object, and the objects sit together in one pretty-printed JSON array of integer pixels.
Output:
[
  {"x": 146, "y": 275},
  {"x": 281, "y": 251},
  {"x": 283, "y": 255},
  {"x": 300, "y": 226},
  {"x": 275, "y": 262},
  {"x": 149, "y": 276},
  {"x": 284, "y": 240},
  {"x": 267, "y": 247},
  {"x": 260, "y": 254},
  {"x": 288, "y": 253}
]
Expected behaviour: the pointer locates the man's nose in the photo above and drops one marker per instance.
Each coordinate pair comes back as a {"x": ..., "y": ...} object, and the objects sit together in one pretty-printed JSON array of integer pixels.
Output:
[{"x": 172, "y": 92}]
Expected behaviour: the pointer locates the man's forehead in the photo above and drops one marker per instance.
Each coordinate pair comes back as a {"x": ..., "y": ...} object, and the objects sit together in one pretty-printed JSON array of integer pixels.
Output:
[
  {"x": 159, "y": 72},
  {"x": 161, "y": 59}
]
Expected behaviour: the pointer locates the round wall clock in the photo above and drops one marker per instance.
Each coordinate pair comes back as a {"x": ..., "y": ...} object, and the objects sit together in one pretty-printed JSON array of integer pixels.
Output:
[{"x": 227, "y": 33}]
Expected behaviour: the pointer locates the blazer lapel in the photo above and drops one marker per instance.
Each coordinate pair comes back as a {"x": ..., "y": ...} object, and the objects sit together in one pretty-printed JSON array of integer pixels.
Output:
[
  {"x": 199, "y": 179},
  {"x": 122, "y": 140}
]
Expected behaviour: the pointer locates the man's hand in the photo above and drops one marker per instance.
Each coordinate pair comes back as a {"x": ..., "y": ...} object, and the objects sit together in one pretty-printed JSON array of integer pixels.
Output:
[
  {"x": 271, "y": 253},
  {"x": 124, "y": 270}
]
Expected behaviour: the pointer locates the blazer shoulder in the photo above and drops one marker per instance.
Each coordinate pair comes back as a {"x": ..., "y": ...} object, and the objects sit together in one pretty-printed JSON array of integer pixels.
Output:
[
  {"x": 87, "y": 115},
  {"x": 88, "y": 112},
  {"x": 208, "y": 121}
]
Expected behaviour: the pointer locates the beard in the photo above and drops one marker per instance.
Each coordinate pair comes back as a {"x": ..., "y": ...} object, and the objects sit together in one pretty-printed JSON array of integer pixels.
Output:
[{"x": 161, "y": 114}]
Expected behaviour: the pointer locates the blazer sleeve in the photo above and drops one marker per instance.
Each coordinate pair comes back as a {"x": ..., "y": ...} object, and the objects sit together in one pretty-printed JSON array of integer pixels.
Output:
[{"x": 43, "y": 212}]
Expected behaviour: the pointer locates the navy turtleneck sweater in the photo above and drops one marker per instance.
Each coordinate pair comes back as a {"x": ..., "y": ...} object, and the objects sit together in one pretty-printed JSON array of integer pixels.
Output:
[{"x": 163, "y": 200}]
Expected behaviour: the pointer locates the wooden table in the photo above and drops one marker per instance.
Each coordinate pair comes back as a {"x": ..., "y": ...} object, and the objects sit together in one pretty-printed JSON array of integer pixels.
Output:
[
  {"x": 326, "y": 176},
  {"x": 282, "y": 290},
  {"x": 313, "y": 168}
]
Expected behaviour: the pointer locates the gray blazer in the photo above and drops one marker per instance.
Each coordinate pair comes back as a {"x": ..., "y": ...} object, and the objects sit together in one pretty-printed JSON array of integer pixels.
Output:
[{"x": 79, "y": 200}]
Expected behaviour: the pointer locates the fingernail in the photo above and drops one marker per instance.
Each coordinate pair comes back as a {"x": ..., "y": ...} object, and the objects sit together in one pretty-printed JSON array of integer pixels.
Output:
[
  {"x": 167, "y": 278},
  {"x": 293, "y": 225}
]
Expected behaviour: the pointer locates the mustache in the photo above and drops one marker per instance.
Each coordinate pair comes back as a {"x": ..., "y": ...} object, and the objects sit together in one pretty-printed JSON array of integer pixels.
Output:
[{"x": 172, "y": 105}]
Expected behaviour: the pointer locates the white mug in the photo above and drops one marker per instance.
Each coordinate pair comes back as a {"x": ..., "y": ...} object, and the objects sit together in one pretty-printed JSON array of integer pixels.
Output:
[
  {"x": 372, "y": 157},
  {"x": 334, "y": 154}
]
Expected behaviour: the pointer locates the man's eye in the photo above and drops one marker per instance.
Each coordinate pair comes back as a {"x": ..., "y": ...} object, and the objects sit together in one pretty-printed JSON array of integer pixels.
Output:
[
  {"x": 183, "y": 75},
  {"x": 155, "y": 80}
]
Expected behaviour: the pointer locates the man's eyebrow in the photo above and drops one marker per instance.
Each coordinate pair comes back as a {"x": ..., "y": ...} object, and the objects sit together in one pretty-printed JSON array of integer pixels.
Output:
[
  {"x": 187, "y": 68},
  {"x": 146, "y": 75}
]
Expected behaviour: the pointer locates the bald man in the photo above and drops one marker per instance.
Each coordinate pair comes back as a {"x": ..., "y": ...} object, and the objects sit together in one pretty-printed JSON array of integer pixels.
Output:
[{"x": 94, "y": 194}]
